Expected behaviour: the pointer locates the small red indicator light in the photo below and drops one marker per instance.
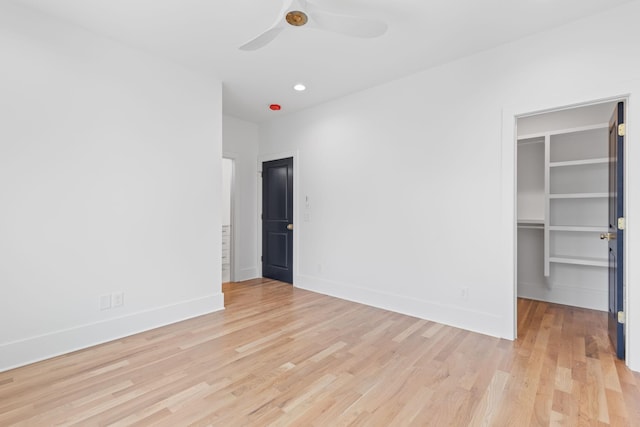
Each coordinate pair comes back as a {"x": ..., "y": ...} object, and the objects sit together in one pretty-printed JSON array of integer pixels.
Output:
[{"x": 275, "y": 107}]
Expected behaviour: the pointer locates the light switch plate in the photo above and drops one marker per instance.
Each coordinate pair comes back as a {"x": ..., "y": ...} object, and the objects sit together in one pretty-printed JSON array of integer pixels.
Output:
[
  {"x": 105, "y": 302},
  {"x": 118, "y": 299}
]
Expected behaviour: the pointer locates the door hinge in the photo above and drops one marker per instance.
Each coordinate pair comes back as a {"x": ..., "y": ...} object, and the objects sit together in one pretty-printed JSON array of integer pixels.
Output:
[
  {"x": 621, "y": 129},
  {"x": 621, "y": 223},
  {"x": 621, "y": 317}
]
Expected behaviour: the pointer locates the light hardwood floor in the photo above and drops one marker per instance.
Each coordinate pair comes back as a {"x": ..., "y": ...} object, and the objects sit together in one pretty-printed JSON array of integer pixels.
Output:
[{"x": 283, "y": 356}]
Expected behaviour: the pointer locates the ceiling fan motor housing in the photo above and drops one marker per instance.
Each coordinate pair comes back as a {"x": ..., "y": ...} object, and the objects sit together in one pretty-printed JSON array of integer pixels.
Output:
[{"x": 297, "y": 18}]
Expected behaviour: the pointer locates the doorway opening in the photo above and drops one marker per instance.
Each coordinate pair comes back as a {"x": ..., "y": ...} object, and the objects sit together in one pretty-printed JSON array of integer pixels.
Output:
[
  {"x": 227, "y": 215},
  {"x": 563, "y": 196}
]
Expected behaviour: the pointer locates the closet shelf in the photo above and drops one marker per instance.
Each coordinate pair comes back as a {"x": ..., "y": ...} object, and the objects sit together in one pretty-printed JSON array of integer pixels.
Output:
[
  {"x": 534, "y": 139},
  {"x": 579, "y": 196},
  {"x": 602, "y": 160},
  {"x": 531, "y": 224},
  {"x": 593, "y": 262},
  {"x": 577, "y": 228},
  {"x": 531, "y": 221}
]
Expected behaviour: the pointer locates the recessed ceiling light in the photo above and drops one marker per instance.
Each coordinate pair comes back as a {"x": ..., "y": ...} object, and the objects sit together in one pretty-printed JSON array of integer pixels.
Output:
[{"x": 300, "y": 87}]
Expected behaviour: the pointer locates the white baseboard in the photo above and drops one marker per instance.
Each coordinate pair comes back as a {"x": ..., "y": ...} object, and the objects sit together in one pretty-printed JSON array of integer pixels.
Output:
[
  {"x": 247, "y": 274},
  {"x": 34, "y": 349},
  {"x": 567, "y": 295},
  {"x": 459, "y": 317}
]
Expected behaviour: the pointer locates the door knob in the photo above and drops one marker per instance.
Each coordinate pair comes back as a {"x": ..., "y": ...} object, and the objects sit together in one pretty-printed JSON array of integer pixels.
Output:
[
  {"x": 290, "y": 227},
  {"x": 608, "y": 236}
]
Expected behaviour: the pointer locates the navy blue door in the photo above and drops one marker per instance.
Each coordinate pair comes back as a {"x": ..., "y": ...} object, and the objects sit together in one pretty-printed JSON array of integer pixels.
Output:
[
  {"x": 615, "y": 236},
  {"x": 277, "y": 220}
]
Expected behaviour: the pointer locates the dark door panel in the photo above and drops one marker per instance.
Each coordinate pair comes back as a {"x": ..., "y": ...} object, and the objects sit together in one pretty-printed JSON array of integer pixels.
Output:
[
  {"x": 277, "y": 250},
  {"x": 277, "y": 220},
  {"x": 615, "y": 236}
]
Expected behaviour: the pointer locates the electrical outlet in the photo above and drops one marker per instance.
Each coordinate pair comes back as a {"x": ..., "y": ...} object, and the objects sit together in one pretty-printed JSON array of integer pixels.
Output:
[
  {"x": 117, "y": 299},
  {"x": 105, "y": 302}
]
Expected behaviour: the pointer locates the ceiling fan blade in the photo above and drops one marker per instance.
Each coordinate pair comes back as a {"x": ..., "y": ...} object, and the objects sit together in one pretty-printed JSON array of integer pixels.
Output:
[
  {"x": 267, "y": 37},
  {"x": 347, "y": 25},
  {"x": 263, "y": 39}
]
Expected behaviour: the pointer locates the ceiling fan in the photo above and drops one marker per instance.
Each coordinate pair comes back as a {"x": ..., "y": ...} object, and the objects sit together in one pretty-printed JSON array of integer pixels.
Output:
[{"x": 298, "y": 13}]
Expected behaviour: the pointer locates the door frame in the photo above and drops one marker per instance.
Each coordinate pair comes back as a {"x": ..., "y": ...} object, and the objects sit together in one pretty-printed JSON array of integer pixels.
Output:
[
  {"x": 296, "y": 191},
  {"x": 234, "y": 217},
  {"x": 630, "y": 93}
]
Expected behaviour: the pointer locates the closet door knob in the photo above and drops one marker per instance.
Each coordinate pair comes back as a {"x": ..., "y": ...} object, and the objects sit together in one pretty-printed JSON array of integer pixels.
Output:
[
  {"x": 608, "y": 236},
  {"x": 290, "y": 227}
]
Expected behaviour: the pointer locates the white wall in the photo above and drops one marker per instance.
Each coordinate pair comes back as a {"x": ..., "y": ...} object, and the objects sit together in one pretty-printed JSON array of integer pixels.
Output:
[
  {"x": 109, "y": 182},
  {"x": 412, "y": 183},
  {"x": 240, "y": 142}
]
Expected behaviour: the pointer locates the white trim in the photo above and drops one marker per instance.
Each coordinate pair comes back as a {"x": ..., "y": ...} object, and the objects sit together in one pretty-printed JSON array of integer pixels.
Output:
[
  {"x": 509, "y": 219},
  {"x": 247, "y": 274},
  {"x": 41, "y": 347},
  {"x": 593, "y": 299},
  {"x": 632, "y": 235},
  {"x": 628, "y": 91},
  {"x": 487, "y": 323},
  {"x": 296, "y": 197}
]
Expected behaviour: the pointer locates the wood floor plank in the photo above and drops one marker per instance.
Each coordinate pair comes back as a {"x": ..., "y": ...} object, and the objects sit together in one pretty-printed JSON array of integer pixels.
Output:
[{"x": 278, "y": 355}]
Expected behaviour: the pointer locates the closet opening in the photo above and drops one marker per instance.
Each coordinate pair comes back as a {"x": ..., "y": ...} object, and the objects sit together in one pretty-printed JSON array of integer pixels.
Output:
[{"x": 563, "y": 201}]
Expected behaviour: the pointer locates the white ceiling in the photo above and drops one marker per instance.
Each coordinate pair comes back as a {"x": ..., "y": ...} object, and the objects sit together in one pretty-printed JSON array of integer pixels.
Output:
[{"x": 205, "y": 34}]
